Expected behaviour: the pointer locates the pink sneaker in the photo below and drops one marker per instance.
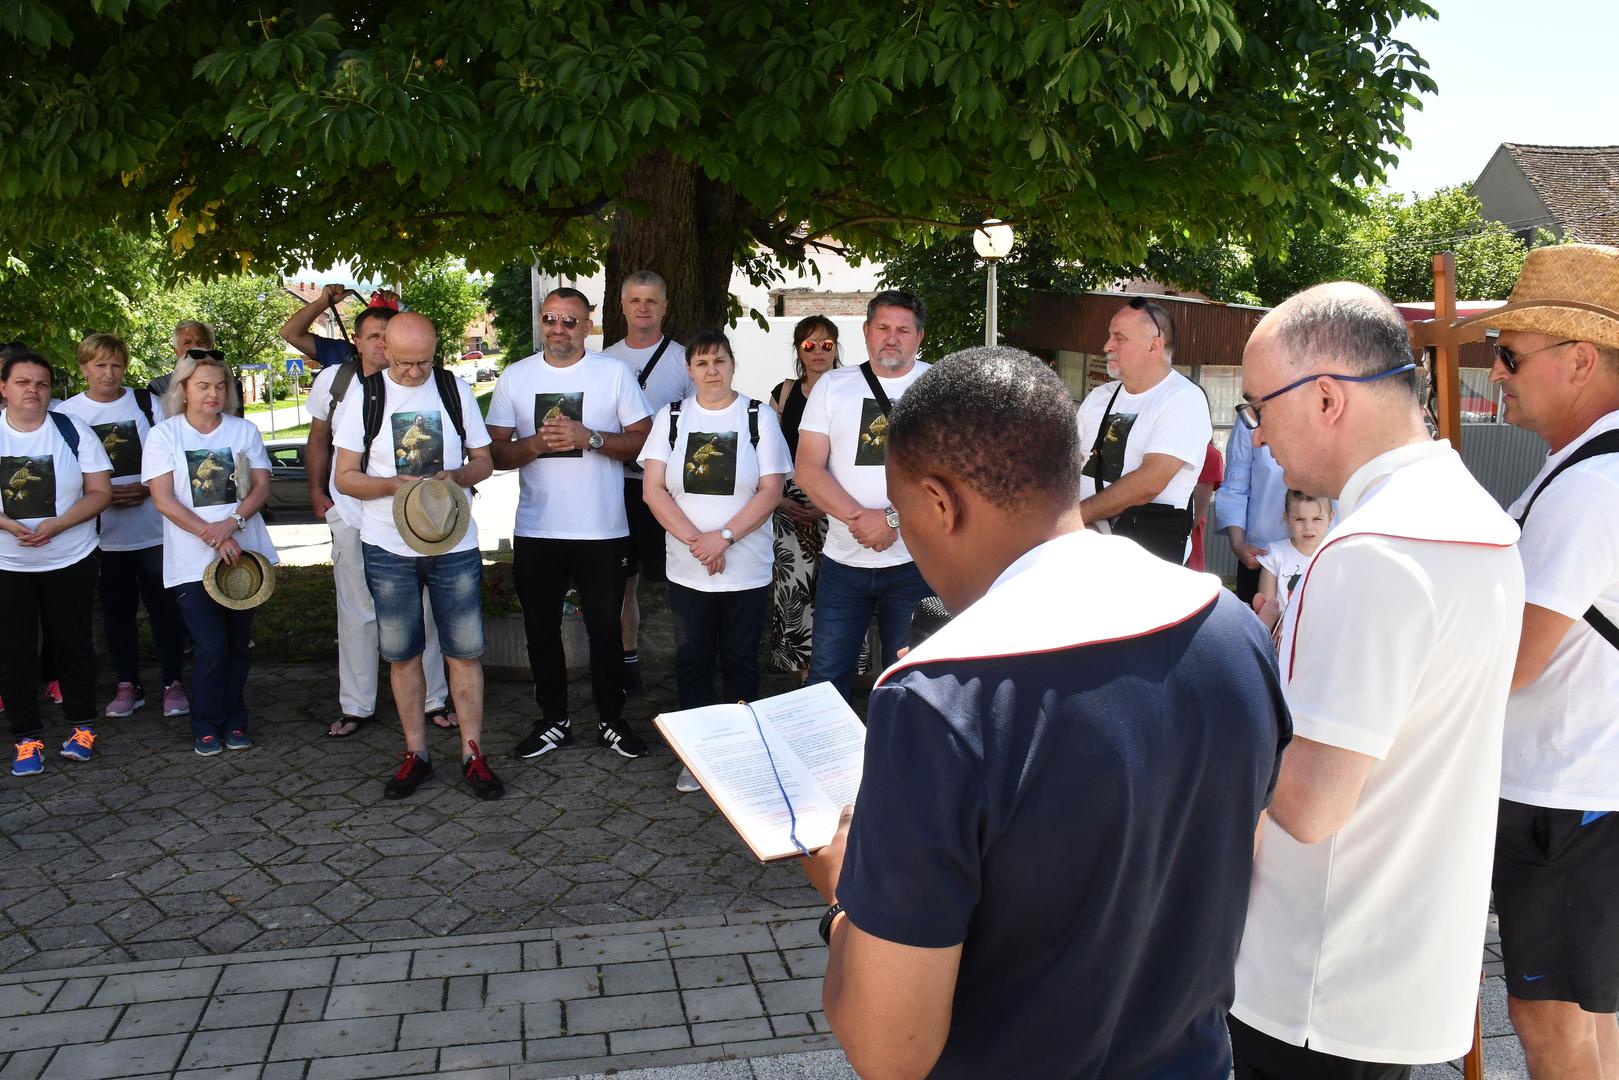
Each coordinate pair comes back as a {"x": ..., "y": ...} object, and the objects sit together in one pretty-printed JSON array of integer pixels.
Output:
[
  {"x": 175, "y": 702},
  {"x": 53, "y": 690},
  {"x": 125, "y": 701}
]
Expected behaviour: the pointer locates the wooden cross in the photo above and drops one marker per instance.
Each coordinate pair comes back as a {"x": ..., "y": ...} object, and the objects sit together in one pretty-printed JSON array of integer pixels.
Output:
[{"x": 1440, "y": 334}]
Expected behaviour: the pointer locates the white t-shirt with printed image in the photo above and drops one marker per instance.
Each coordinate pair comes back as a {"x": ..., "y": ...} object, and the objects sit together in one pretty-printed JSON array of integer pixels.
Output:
[
  {"x": 842, "y": 408},
  {"x": 1171, "y": 418},
  {"x": 570, "y": 494},
  {"x": 1562, "y": 744},
  {"x": 715, "y": 471},
  {"x": 122, "y": 429},
  {"x": 41, "y": 477},
  {"x": 417, "y": 438},
  {"x": 203, "y": 468},
  {"x": 669, "y": 381},
  {"x": 321, "y": 407},
  {"x": 1287, "y": 563}
]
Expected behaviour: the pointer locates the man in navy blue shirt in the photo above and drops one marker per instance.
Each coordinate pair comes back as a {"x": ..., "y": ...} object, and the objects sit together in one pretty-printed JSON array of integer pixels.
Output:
[{"x": 1047, "y": 868}]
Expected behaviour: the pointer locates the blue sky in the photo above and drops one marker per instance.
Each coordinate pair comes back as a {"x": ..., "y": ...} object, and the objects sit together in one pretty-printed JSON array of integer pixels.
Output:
[{"x": 1541, "y": 72}]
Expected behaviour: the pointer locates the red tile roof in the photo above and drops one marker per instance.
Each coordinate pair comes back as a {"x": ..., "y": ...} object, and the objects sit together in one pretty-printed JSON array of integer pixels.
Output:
[{"x": 1578, "y": 184}]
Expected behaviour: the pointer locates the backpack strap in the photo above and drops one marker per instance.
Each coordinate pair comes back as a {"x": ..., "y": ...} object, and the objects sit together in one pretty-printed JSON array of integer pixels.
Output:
[
  {"x": 1605, "y": 443},
  {"x": 143, "y": 401},
  {"x": 877, "y": 390},
  {"x": 373, "y": 400},
  {"x": 1101, "y": 434},
  {"x": 340, "y": 382},
  {"x": 674, "y": 421},
  {"x": 449, "y": 392},
  {"x": 753, "y": 423},
  {"x": 646, "y": 372},
  {"x": 64, "y": 427}
]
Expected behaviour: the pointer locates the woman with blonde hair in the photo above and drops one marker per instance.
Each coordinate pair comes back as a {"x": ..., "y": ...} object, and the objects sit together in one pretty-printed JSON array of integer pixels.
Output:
[{"x": 190, "y": 462}]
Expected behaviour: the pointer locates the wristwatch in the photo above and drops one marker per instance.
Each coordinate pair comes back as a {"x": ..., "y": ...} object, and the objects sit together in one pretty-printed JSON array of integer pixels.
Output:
[
  {"x": 241, "y": 522},
  {"x": 597, "y": 440},
  {"x": 892, "y": 517},
  {"x": 728, "y": 536},
  {"x": 826, "y": 922}
]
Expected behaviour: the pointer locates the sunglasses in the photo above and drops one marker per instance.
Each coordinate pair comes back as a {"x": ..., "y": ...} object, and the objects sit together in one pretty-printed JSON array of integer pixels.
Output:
[
  {"x": 1510, "y": 360},
  {"x": 551, "y": 318},
  {"x": 827, "y": 345},
  {"x": 1139, "y": 304},
  {"x": 206, "y": 354}
]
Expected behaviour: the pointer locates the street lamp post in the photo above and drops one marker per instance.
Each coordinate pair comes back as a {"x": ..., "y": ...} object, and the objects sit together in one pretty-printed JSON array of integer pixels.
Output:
[{"x": 993, "y": 242}]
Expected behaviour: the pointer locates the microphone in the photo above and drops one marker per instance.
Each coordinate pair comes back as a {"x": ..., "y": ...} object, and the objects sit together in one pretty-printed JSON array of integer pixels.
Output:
[{"x": 929, "y": 618}]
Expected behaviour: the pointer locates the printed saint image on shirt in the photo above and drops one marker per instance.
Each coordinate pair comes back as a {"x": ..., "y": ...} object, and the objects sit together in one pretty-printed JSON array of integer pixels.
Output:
[
  {"x": 122, "y": 441},
  {"x": 28, "y": 487},
  {"x": 710, "y": 463},
  {"x": 569, "y": 406},
  {"x": 418, "y": 443},
  {"x": 1109, "y": 458},
  {"x": 871, "y": 445},
  {"x": 213, "y": 477}
]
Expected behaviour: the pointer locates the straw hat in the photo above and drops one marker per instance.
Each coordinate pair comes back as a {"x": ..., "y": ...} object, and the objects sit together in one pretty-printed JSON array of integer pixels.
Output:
[
  {"x": 432, "y": 516},
  {"x": 246, "y": 585},
  {"x": 1569, "y": 291}
]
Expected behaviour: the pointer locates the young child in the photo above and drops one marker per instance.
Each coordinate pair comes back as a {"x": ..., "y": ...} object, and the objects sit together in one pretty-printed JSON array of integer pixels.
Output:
[{"x": 1307, "y": 518}]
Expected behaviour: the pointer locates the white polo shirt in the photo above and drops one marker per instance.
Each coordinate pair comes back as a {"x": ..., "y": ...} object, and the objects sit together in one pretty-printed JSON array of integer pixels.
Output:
[
  {"x": 1398, "y": 643},
  {"x": 1562, "y": 745}
]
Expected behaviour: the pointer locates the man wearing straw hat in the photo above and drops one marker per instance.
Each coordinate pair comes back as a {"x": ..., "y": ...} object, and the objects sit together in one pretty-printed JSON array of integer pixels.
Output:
[
  {"x": 1557, "y": 840},
  {"x": 416, "y": 530},
  {"x": 1371, "y": 880}
]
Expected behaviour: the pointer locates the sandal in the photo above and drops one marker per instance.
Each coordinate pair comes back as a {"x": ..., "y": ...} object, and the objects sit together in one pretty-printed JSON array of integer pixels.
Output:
[
  {"x": 443, "y": 719},
  {"x": 358, "y": 722}
]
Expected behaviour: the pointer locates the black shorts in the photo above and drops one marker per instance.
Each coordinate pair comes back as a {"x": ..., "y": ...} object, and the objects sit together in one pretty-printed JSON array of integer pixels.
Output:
[
  {"x": 1556, "y": 887},
  {"x": 1258, "y": 1056},
  {"x": 647, "y": 556}
]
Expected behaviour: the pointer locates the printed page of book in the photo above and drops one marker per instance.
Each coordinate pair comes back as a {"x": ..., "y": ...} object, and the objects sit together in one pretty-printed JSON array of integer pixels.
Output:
[{"x": 812, "y": 750}]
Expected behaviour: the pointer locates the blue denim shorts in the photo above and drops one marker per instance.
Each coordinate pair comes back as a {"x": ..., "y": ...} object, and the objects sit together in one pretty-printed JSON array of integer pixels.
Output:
[{"x": 454, "y": 583}]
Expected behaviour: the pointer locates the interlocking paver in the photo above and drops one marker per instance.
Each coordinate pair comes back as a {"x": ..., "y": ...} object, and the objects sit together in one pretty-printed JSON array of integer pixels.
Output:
[
  {"x": 125, "y": 1057},
  {"x": 155, "y": 986},
  {"x": 719, "y": 940},
  {"x": 385, "y": 999},
  {"x": 439, "y": 963},
  {"x": 525, "y": 986},
  {"x": 566, "y": 1046},
  {"x": 56, "y": 1028},
  {"x": 356, "y": 1067},
  {"x": 450, "y": 1028},
  {"x": 702, "y": 971},
  {"x": 160, "y": 1018},
  {"x": 613, "y": 949},
  {"x": 323, "y": 1038},
  {"x": 642, "y": 978},
  {"x": 22, "y": 999},
  {"x": 806, "y": 963},
  {"x": 276, "y": 975},
  {"x": 726, "y": 1031},
  {"x": 244, "y": 1010},
  {"x": 236, "y": 1046},
  {"x": 793, "y": 996},
  {"x": 479, "y": 1056},
  {"x": 383, "y": 967},
  {"x": 722, "y": 1003},
  {"x": 644, "y": 1039},
  {"x": 624, "y": 1013}
]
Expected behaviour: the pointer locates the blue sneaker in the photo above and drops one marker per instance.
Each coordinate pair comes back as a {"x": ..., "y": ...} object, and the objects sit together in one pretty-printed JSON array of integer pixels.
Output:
[
  {"x": 80, "y": 745},
  {"x": 207, "y": 745},
  {"x": 237, "y": 740},
  {"x": 30, "y": 758}
]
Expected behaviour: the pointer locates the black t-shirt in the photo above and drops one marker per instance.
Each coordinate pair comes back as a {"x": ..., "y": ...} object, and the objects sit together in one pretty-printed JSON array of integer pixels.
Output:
[{"x": 1082, "y": 819}]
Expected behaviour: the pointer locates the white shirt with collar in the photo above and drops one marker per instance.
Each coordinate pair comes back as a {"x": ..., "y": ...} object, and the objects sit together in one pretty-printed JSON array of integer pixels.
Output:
[
  {"x": 1562, "y": 744},
  {"x": 1399, "y": 643}
]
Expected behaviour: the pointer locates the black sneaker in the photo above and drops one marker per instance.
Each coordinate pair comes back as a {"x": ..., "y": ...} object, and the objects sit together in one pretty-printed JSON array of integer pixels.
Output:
[
  {"x": 484, "y": 783},
  {"x": 544, "y": 739},
  {"x": 616, "y": 734},
  {"x": 412, "y": 773}
]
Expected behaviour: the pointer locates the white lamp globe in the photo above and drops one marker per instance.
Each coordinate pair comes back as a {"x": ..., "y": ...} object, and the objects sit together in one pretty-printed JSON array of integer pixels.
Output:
[{"x": 993, "y": 239}]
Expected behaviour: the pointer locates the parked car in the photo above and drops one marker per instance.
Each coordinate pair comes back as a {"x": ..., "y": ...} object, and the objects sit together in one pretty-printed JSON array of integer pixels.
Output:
[
  {"x": 472, "y": 354},
  {"x": 487, "y": 374},
  {"x": 289, "y": 484}
]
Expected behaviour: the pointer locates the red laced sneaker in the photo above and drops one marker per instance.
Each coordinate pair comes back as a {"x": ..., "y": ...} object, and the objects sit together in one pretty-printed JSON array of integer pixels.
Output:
[
  {"x": 484, "y": 783},
  {"x": 412, "y": 773}
]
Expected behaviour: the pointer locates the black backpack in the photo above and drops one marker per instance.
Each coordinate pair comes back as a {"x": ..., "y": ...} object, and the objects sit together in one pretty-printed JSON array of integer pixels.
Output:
[
  {"x": 1605, "y": 443},
  {"x": 374, "y": 403},
  {"x": 753, "y": 422}
]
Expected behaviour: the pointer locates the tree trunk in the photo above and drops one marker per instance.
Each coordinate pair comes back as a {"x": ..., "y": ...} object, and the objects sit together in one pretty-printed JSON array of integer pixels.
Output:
[{"x": 676, "y": 222}]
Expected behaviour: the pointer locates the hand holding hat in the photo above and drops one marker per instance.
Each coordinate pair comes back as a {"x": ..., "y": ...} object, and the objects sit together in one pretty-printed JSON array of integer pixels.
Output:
[{"x": 431, "y": 514}]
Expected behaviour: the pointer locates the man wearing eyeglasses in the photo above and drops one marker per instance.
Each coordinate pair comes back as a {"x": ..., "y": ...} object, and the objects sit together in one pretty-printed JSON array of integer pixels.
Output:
[
  {"x": 658, "y": 364},
  {"x": 1143, "y": 437},
  {"x": 1557, "y": 842},
  {"x": 568, "y": 419},
  {"x": 1371, "y": 884}
]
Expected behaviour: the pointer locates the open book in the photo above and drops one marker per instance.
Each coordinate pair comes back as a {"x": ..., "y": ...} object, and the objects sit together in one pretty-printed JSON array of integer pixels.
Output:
[{"x": 780, "y": 770}]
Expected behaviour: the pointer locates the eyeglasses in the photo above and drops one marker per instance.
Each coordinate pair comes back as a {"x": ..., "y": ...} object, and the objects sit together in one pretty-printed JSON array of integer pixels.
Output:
[
  {"x": 1510, "y": 360},
  {"x": 206, "y": 354},
  {"x": 1248, "y": 411},
  {"x": 827, "y": 345},
  {"x": 1139, "y": 304},
  {"x": 551, "y": 318}
]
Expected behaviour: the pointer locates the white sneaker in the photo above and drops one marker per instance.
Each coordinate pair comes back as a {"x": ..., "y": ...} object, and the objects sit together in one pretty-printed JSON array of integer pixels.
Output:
[{"x": 686, "y": 781}]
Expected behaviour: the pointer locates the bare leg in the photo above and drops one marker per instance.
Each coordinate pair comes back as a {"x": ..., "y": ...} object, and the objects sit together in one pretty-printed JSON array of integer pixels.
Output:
[
  {"x": 1559, "y": 1039},
  {"x": 630, "y": 620},
  {"x": 1607, "y": 1028},
  {"x": 466, "y": 687},
  {"x": 410, "y": 692}
]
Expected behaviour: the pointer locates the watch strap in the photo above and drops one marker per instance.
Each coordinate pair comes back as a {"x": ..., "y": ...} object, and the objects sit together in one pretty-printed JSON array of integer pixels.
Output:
[{"x": 826, "y": 921}]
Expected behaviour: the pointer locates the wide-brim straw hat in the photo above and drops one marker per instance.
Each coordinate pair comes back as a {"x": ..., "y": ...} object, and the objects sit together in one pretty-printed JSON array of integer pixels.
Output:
[
  {"x": 246, "y": 585},
  {"x": 432, "y": 516},
  {"x": 1568, "y": 291}
]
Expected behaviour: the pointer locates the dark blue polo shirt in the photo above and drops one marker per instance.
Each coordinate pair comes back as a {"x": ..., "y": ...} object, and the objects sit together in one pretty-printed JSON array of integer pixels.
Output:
[
  {"x": 1081, "y": 820},
  {"x": 330, "y": 352}
]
